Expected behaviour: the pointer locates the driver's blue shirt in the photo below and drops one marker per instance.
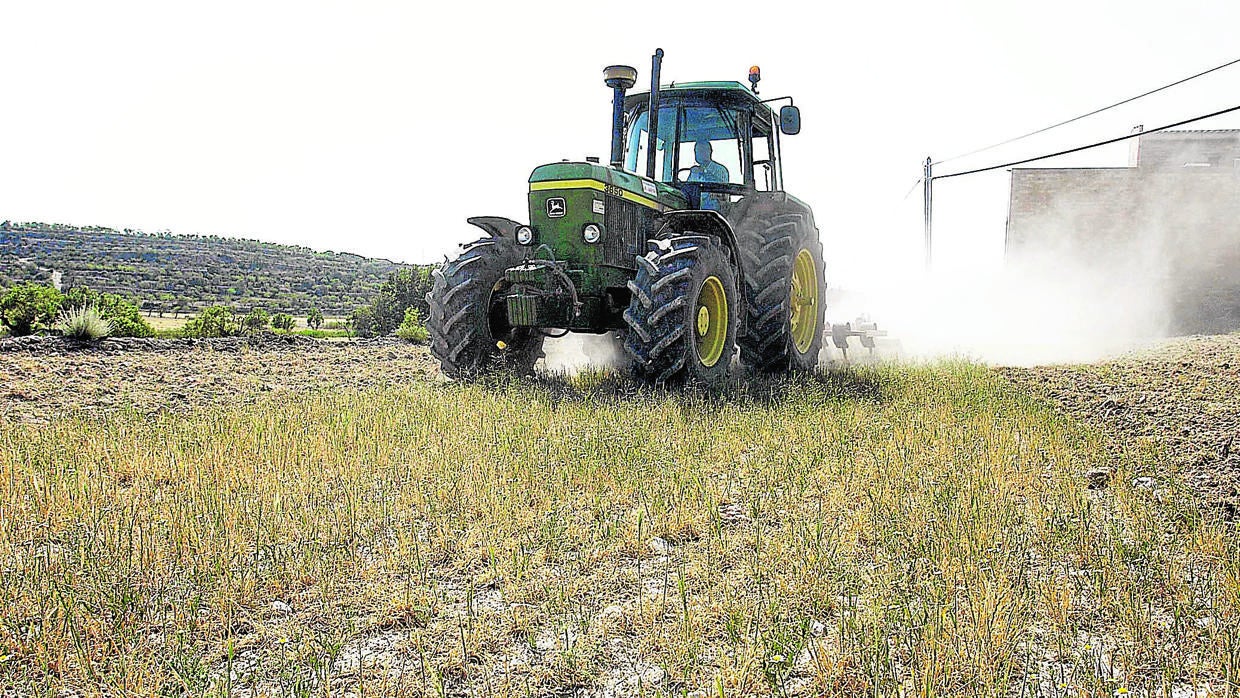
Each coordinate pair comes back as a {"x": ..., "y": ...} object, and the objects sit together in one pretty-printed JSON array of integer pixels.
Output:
[{"x": 711, "y": 172}]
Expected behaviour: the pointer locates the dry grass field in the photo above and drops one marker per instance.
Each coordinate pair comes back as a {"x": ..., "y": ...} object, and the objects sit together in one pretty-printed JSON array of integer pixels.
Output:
[{"x": 336, "y": 521}]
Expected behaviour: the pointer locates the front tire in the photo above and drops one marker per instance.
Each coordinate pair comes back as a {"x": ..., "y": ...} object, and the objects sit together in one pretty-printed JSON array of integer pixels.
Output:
[
  {"x": 682, "y": 318},
  {"x": 468, "y": 321}
]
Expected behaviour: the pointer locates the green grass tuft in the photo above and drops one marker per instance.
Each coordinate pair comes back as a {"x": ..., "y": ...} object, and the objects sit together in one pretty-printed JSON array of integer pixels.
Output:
[{"x": 84, "y": 324}]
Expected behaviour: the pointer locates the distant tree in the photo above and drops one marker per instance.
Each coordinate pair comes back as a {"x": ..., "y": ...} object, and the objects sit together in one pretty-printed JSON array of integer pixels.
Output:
[
  {"x": 122, "y": 316},
  {"x": 403, "y": 289},
  {"x": 29, "y": 307},
  {"x": 282, "y": 321},
  {"x": 215, "y": 321},
  {"x": 256, "y": 320},
  {"x": 363, "y": 322},
  {"x": 314, "y": 319}
]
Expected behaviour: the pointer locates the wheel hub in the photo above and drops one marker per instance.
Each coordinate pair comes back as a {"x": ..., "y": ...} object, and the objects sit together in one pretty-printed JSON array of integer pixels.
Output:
[
  {"x": 803, "y": 301},
  {"x": 712, "y": 321}
]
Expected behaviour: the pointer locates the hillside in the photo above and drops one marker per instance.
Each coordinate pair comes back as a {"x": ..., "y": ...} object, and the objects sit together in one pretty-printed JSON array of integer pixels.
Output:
[{"x": 181, "y": 273}]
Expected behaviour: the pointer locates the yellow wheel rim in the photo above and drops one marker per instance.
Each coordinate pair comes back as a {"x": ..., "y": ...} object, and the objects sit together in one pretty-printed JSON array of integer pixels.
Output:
[
  {"x": 712, "y": 321},
  {"x": 803, "y": 301}
]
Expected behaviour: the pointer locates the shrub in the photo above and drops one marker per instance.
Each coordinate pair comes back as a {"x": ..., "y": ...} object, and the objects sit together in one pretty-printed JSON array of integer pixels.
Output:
[
  {"x": 121, "y": 314},
  {"x": 314, "y": 320},
  {"x": 29, "y": 307},
  {"x": 411, "y": 329},
  {"x": 363, "y": 322},
  {"x": 283, "y": 321},
  {"x": 84, "y": 324},
  {"x": 216, "y": 321},
  {"x": 255, "y": 320}
]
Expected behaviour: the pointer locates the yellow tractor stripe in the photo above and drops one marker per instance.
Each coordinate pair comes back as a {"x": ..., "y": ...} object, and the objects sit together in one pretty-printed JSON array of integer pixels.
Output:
[{"x": 600, "y": 186}]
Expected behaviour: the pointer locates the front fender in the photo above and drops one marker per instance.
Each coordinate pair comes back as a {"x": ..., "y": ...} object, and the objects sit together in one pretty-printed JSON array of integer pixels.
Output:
[
  {"x": 702, "y": 222},
  {"x": 705, "y": 222},
  {"x": 496, "y": 226}
]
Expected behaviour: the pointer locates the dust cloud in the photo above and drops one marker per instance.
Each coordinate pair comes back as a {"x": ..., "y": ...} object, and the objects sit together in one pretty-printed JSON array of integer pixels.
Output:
[
  {"x": 1094, "y": 261},
  {"x": 1074, "y": 288},
  {"x": 575, "y": 352},
  {"x": 1014, "y": 316}
]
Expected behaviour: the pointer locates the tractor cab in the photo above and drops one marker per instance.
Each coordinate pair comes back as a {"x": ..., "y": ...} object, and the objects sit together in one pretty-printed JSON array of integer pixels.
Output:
[{"x": 715, "y": 141}]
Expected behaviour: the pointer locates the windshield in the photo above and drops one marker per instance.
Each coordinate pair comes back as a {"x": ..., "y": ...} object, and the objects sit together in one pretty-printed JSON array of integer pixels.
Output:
[
  {"x": 707, "y": 147},
  {"x": 639, "y": 139}
]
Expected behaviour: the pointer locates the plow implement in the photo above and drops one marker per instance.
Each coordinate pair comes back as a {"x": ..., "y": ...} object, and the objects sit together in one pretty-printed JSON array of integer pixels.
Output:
[{"x": 860, "y": 341}]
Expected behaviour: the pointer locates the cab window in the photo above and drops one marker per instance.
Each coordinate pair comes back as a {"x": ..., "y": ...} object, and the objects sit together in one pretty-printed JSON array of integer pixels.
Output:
[
  {"x": 709, "y": 150},
  {"x": 639, "y": 140},
  {"x": 763, "y": 158}
]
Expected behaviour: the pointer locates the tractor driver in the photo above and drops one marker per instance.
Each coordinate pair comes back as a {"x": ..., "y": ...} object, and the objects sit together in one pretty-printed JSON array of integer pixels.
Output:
[{"x": 707, "y": 170}]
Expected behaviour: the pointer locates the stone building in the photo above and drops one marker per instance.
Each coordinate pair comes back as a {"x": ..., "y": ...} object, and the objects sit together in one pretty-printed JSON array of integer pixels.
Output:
[{"x": 1164, "y": 230}]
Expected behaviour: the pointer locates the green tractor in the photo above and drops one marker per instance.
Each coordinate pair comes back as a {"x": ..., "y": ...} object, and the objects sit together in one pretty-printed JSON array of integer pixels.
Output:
[{"x": 685, "y": 245}]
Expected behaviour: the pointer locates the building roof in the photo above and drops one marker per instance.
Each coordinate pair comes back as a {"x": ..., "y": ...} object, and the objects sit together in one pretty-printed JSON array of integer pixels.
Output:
[{"x": 1194, "y": 131}]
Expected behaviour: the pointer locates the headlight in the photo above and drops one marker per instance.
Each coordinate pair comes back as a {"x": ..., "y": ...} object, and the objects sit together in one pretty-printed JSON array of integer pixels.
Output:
[
  {"x": 525, "y": 235},
  {"x": 591, "y": 233}
]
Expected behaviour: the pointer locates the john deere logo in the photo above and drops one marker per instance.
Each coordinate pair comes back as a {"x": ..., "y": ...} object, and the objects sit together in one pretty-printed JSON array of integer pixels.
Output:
[{"x": 555, "y": 207}]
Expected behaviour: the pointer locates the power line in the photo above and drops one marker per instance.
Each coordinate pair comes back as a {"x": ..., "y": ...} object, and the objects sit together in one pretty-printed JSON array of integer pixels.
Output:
[
  {"x": 1096, "y": 111},
  {"x": 1087, "y": 147},
  {"x": 914, "y": 187}
]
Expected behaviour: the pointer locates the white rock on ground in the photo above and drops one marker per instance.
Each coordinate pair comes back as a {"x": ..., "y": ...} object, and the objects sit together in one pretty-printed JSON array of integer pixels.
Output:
[{"x": 659, "y": 545}]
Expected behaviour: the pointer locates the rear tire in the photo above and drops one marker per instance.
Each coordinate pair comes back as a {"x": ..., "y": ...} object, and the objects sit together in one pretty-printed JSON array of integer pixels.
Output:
[
  {"x": 468, "y": 319},
  {"x": 682, "y": 318},
  {"x": 786, "y": 292}
]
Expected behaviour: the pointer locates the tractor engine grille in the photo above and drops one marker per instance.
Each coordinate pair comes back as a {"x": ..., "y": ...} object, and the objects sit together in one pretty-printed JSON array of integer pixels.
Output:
[{"x": 628, "y": 225}]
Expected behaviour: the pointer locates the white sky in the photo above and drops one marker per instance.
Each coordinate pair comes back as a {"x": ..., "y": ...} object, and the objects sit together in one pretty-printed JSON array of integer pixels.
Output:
[{"x": 378, "y": 128}]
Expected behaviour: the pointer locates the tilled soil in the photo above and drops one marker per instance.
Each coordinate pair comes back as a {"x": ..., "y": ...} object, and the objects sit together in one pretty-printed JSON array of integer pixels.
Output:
[
  {"x": 41, "y": 377},
  {"x": 1183, "y": 395}
]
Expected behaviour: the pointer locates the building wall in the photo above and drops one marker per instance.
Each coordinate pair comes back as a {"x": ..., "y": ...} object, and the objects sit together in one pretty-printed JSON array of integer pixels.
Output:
[
  {"x": 1177, "y": 149},
  {"x": 1169, "y": 235}
]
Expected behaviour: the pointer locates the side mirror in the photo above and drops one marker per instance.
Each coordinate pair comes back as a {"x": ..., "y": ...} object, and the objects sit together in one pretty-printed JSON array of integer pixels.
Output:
[{"x": 789, "y": 120}]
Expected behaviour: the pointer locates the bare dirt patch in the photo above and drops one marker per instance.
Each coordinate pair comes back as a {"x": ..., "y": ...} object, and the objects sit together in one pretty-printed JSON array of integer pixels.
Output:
[
  {"x": 1184, "y": 396},
  {"x": 41, "y": 377}
]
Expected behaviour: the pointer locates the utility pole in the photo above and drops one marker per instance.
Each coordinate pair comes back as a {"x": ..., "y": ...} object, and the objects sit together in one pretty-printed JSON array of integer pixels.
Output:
[{"x": 928, "y": 189}]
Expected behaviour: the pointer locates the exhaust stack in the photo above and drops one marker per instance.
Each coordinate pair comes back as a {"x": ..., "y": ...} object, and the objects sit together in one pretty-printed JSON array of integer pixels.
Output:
[{"x": 652, "y": 114}]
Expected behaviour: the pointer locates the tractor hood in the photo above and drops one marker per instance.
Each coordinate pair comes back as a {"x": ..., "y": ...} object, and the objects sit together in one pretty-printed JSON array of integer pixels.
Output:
[
  {"x": 620, "y": 209},
  {"x": 609, "y": 181}
]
